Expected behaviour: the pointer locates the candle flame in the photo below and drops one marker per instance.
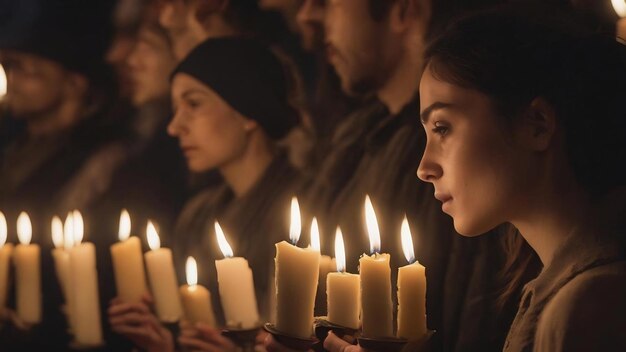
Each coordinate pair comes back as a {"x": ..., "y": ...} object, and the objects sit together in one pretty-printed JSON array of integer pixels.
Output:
[
  {"x": 153, "y": 237},
  {"x": 407, "y": 241},
  {"x": 79, "y": 226},
  {"x": 124, "y": 231},
  {"x": 372, "y": 226},
  {"x": 295, "y": 226},
  {"x": 68, "y": 231},
  {"x": 57, "y": 232},
  {"x": 3, "y": 82},
  {"x": 315, "y": 235},
  {"x": 3, "y": 229},
  {"x": 222, "y": 242},
  {"x": 24, "y": 228},
  {"x": 340, "y": 251},
  {"x": 191, "y": 269},
  {"x": 620, "y": 7}
]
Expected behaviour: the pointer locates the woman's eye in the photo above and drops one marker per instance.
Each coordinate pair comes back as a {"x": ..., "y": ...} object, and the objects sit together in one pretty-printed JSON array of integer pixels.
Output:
[
  {"x": 441, "y": 129},
  {"x": 193, "y": 103}
]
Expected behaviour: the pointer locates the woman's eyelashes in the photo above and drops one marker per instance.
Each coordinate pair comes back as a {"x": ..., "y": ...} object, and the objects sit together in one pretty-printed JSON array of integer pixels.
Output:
[{"x": 441, "y": 128}]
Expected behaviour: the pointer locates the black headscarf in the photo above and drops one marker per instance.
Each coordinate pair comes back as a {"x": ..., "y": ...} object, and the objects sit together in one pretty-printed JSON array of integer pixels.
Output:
[{"x": 248, "y": 76}]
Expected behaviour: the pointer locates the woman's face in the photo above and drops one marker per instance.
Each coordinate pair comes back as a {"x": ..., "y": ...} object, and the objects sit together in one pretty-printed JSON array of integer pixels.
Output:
[
  {"x": 150, "y": 63},
  {"x": 473, "y": 158},
  {"x": 210, "y": 132}
]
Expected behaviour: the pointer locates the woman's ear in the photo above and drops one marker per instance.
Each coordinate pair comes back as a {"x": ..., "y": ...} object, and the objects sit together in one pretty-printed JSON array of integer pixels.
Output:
[{"x": 539, "y": 125}]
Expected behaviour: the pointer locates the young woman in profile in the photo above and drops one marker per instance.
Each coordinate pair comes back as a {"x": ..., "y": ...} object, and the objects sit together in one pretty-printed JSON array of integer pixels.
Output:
[{"x": 526, "y": 124}]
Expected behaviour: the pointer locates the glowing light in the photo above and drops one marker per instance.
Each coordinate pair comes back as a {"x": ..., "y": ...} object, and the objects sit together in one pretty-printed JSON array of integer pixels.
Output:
[
  {"x": 340, "y": 251},
  {"x": 315, "y": 235},
  {"x": 24, "y": 228},
  {"x": 3, "y": 82},
  {"x": 153, "y": 237},
  {"x": 3, "y": 229},
  {"x": 68, "y": 231},
  {"x": 124, "y": 231},
  {"x": 372, "y": 226},
  {"x": 79, "y": 226},
  {"x": 222, "y": 242},
  {"x": 57, "y": 232},
  {"x": 191, "y": 270},
  {"x": 407, "y": 241},
  {"x": 620, "y": 7},
  {"x": 295, "y": 226}
]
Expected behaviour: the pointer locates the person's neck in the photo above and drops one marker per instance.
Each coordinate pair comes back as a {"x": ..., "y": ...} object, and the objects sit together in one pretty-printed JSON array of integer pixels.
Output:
[
  {"x": 554, "y": 213},
  {"x": 403, "y": 82},
  {"x": 49, "y": 123},
  {"x": 243, "y": 173}
]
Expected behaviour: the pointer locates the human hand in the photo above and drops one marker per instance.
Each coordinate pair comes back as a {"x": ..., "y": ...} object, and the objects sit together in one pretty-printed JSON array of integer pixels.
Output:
[
  {"x": 336, "y": 344},
  {"x": 202, "y": 337},
  {"x": 136, "y": 322}
]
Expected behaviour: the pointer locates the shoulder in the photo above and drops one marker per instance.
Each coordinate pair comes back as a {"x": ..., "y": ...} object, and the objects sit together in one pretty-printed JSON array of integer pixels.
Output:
[{"x": 588, "y": 313}]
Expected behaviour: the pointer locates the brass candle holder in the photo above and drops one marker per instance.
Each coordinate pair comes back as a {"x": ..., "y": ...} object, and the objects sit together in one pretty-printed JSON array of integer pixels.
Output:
[{"x": 290, "y": 341}]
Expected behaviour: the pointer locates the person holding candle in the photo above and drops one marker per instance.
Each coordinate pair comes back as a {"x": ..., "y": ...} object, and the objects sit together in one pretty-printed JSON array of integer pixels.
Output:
[
  {"x": 234, "y": 128},
  {"x": 526, "y": 110}
]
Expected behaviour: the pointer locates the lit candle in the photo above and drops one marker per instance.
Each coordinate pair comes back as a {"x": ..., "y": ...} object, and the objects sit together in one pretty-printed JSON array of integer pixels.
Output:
[
  {"x": 5, "y": 256},
  {"x": 411, "y": 291},
  {"x": 162, "y": 276},
  {"x": 59, "y": 254},
  {"x": 27, "y": 273},
  {"x": 376, "y": 304},
  {"x": 620, "y": 9},
  {"x": 68, "y": 242},
  {"x": 344, "y": 298},
  {"x": 83, "y": 281},
  {"x": 130, "y": 277},
  {"x": 297, "y": 274},
  {"x": 196, "y": 298},
  {"x": 327, "y": 264},
  {"x": 236, "y": 286}
]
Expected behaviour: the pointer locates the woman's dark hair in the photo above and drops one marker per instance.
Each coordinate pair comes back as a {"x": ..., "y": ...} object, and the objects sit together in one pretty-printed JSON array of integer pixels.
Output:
[{"x": 516, "y": 54}]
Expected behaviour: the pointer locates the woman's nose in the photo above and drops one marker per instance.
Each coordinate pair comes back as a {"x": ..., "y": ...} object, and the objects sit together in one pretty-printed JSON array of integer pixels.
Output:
[{"x": 429, "y": 170}]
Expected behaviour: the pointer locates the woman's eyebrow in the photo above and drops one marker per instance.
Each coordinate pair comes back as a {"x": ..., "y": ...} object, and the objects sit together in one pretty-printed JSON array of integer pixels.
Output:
[{"x": 425, "y": 114}]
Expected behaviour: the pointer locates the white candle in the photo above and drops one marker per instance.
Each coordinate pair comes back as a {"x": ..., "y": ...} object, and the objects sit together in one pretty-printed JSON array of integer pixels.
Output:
[
  {"x": 130, "y": 276},
  {"x": 411, "y": 291},
  {"x": 60, "y": 255},
  {"x": 83, "y": 281},
  {"x": 297, "y": 275},
  {"x": 376, "y": 303},
  {"x": 327, "y": 264},
  {"x": 344, "y": 298},
  {"x": 27, "y": 273},
  {"x": 162, "y": 276},
  {"x": 196, "y": 298},
  {"x": 236, "y": 286},
  {"x": 6, "y": 249}
]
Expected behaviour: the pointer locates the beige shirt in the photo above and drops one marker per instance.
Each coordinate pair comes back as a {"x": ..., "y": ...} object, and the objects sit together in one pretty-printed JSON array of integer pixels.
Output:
[{"x": 578, "y": 302}]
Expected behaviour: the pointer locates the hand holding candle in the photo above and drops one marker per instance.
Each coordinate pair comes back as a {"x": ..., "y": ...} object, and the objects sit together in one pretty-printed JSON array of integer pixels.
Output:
[
  {"x": 196, "y": 298},
  {"x": 297, "y": 274},
  {"x": 344, "y": 298},
  {"x": 6, "y": 249},
  {"x": 162, "y": 278},
  {"x": 130, "y": 277},
  {"x": 236, "y": 286},
  {"x": 27, "y": 273},
  {"x": 411, "y": 291},
  {"x": 376, "y": 304}
]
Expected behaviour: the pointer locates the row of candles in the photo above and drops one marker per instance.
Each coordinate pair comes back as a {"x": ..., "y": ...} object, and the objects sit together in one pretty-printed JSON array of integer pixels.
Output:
[{"x": 353, "y": 300}]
